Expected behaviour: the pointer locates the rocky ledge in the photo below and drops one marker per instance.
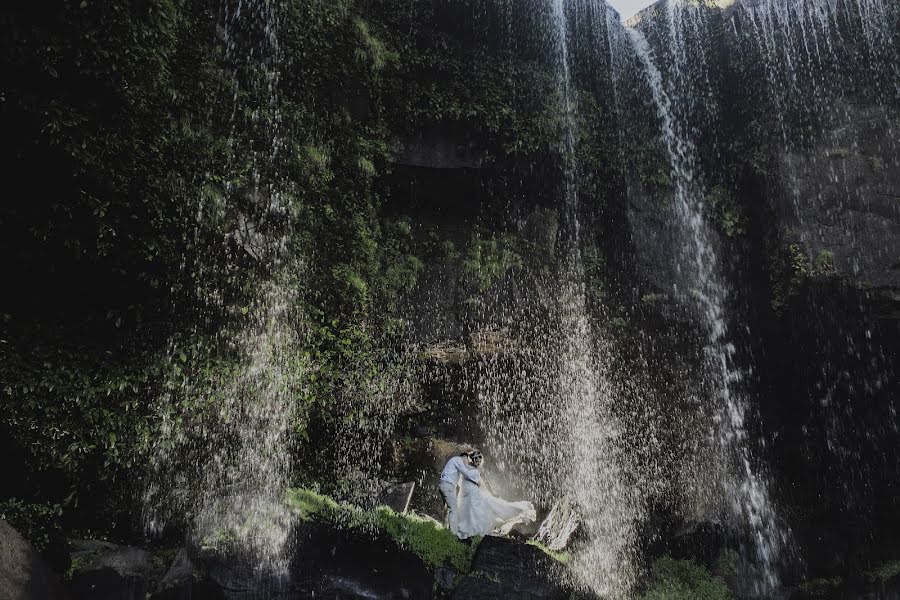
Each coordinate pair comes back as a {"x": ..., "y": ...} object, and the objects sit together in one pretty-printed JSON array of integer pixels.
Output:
[{"x": 344, "y": 552}]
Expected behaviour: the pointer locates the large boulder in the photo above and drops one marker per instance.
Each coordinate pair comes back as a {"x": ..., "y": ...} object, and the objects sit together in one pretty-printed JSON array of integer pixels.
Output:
[
  {"x": 105, "y": 571},
  {"x": 343, "y": 564},
  {"x": 240, "y": 579},
  {"x": 506, "y": 570},
  {"x": 184, "y": 581},
  {"x": 23, "y": 573}
]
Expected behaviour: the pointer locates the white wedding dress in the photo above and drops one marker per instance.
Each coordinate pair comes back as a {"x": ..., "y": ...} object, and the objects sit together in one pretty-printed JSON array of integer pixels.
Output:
[{"x": 481, "y": 513}]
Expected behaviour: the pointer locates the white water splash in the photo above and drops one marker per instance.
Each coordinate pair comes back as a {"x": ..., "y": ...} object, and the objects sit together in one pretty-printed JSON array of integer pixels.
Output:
[
  {"x": 733, "y": 477},
  {"x": 221, "y": 459}
]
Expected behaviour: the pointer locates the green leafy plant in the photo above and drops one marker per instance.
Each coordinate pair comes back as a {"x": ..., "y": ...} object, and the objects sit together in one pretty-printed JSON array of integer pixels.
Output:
[{"x": 672, "y": 579}]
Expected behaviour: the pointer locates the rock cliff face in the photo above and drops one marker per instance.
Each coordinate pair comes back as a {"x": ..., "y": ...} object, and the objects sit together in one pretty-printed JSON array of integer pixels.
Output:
[
  {"x": 494, "y": 151},
  {"x": 839, "y": 199},
  {"x": 796, "y": 157}
]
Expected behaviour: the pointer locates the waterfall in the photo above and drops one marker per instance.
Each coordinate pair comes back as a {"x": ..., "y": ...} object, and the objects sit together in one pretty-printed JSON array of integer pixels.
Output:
[
  {"x": 221, "y": 459},
  {"x": 609, "y": 507},
  {"x": 734, "y": 476},
  {"x": 550, "y": 405},
  {"x": 809, "y": 49},
  {"x": 836, "y": 64}
]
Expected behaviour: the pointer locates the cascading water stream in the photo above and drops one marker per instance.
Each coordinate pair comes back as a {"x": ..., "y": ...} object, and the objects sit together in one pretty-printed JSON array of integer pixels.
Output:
[
  {"x": 835, "y": 63},
  {"x": 736, "y": 479},
  {"x": 800, "y": 42},
  {"x": 554, "y": 399},
  {"x": 608, "y": 506},
  {"x": 221, "y": 460}
]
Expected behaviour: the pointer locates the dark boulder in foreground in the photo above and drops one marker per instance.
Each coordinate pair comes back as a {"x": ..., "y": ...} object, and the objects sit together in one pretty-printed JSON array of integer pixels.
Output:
[
  {"x": 503, "y": 569},
  {"x": 338, "y": 564},
  {"x": 23, "y": 573},
  {"x": 104, "y": 571}
]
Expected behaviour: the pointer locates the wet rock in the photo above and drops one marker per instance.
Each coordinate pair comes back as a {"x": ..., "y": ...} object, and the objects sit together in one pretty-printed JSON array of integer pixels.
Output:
[
  {"x": 505, "y": 570},
  {"x": 650, "y": 216},
  {"x": 23, "y": 573},
  {"x": 336, "y": 564},
  {"x": 183, "y": 581},
  {"x": 445, "y": 578},
  {"x": 437, "y": 150},
  {"x": 557, "y": 528},
  {"x": 840, "y": 201},
  {"x": 238, "y": 579},
  {"x": 106, "y": 571}
]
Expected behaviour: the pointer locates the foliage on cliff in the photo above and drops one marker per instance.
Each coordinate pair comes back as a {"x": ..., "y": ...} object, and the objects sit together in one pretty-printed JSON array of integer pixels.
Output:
[{"x": 141, "y": 153}]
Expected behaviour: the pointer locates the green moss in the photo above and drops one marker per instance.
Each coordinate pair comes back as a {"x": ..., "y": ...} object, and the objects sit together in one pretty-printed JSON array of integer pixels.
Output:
[
  {"x": 876, "y": 163},
  {"x": 483, "y": 575},
  {"x": 652, "y": 299},
  {"x": 727, "y": 563},
  {"x": 561, "y": 557},
  {"x": 672, "y": 579},
  {"x": 726, "y": 213},
  {"x": 435, "y": 545},
  {"x": 823, "y": 265},
  {"x": 822, "y": 586},
  {"x": 888, "y": 570}
]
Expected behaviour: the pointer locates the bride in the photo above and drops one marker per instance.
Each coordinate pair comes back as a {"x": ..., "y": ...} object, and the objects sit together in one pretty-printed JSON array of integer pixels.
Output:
[{"x": 481, "y": 513}]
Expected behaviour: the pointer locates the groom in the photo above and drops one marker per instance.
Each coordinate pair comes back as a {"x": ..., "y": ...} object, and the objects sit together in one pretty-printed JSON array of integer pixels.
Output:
[{"x": 456, "y": 467}]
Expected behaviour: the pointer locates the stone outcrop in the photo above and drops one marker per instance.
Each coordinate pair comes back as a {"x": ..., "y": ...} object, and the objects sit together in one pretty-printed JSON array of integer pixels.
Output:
[
  {"x": 105, "y": 571},
  {"x": 505, "y": 570},
  {"x": 331, "y": 563},
  {"x": 23, "y": 573},
  {"x": 184, "y": 580}
]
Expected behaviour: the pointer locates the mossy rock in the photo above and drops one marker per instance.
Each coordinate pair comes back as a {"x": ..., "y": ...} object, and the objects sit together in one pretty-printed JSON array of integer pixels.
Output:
[{"x": 433, "y": 544}]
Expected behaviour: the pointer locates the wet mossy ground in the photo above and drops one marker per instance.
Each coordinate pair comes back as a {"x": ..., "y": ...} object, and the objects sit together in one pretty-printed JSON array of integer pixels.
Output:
[{"x": 435, "y": 545}]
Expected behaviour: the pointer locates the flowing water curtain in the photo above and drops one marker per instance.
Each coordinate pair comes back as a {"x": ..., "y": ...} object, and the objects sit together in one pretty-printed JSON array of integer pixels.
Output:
[
  {"x": 548, "y": 405},
  {"x": 680, "y": 86},
  {"x": 811, "y": 51},
  {"x": 222, "y": 458},
  {"x": 835, "y": 64}
]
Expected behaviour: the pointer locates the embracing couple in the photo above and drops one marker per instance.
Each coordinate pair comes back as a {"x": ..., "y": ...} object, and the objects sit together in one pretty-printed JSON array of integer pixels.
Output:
[{"x": 473, "y": 509}]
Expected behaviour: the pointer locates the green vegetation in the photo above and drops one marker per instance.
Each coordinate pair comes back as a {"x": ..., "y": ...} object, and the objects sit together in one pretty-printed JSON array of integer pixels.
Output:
[
  {"x": 489, "y": 259},
  {"x": 823, "y": 265},
  {"x": 435, "y": 545},
  {"x": 838, "y": 154},
  {"x": 884, "y": 572},
  {"x": 821, "y": 587},
  {"x": 37, "y": 523},
  {"x": 560, "y": 557},
  {"x": 725, "y": 212},
  {"x": 876, "y": 163},
  {"x": 672, "y": 579}
]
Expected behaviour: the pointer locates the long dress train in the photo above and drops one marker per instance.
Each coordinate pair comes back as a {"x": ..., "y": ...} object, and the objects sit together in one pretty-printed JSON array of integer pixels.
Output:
[{"x": 481, "y": 513}]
